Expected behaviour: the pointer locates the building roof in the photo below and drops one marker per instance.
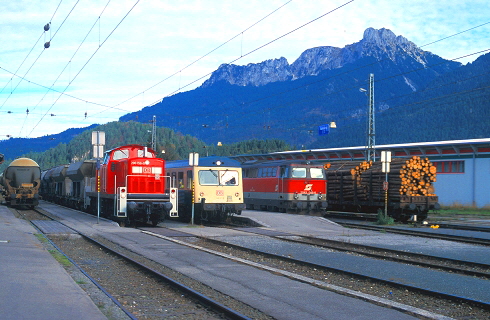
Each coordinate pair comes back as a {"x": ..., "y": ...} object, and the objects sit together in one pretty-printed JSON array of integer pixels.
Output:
[{"x": 425, "y": 149}]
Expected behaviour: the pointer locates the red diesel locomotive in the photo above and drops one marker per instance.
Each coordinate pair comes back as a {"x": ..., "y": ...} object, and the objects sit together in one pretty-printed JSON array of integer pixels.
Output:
[
  {"x": 132, "y": 186},
  {"x": 284, "y": 186}
]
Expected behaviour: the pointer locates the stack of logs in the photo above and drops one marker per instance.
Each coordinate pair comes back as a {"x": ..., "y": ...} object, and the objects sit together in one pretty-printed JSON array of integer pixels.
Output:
[
  {"x": 364, "y": 181},
  {"x": 417, "y": 176}
]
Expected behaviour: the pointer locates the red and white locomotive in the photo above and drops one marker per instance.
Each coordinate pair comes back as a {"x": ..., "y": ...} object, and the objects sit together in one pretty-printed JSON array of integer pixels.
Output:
[
  {"x": 284, "y": 186},
  {"x": 129, "y": 185}
]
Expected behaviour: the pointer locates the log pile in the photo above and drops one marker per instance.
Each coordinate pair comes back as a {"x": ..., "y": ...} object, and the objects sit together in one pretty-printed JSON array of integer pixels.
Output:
[
  {"x": 364, "y": 182},
  {"x": 417, "y": 176}
]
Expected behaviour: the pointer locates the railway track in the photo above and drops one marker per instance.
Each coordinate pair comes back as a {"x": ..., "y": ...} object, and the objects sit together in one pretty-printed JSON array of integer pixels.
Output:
[
  {"x": 135, "y": 284},
  {"x": 457, "y": 266},
  {"x": 322, "y": 272},
  {"x": 418, "y": 232}
]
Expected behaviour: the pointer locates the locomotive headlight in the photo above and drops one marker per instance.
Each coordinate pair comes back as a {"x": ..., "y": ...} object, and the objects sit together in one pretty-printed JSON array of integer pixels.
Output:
[
  {"x": 201, "y": 194},
  {"x": 237, "y": 194},
  {"x": 320, "y": 196},
  {"x": 296, "y": 196}
]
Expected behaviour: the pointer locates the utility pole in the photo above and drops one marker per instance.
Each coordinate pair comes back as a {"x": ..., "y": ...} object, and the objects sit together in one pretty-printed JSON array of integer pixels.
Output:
[{"x": 370, "y": 145}]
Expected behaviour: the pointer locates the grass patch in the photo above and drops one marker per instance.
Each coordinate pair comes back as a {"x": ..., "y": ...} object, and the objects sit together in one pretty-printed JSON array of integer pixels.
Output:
[
  {"x": 41, "y": 237},
  {"x": 383, "y": 219},
  {"x": 463, "y": 210},
  {"x": 60, "y": 258}
]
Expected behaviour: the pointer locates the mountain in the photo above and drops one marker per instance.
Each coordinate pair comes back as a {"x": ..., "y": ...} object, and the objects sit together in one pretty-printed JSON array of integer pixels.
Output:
[
  {"x": 418, "y": 96},
  {"x": 15, "y": 147},
  {"x": 380, "y": 44}
]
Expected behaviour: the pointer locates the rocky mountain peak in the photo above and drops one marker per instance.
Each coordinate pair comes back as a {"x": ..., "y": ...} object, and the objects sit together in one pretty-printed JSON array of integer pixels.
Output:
[
  {"x": 378, "y": 43},
  {"x": 255, "y": 74},
  {"x": 379, "y": 37}
]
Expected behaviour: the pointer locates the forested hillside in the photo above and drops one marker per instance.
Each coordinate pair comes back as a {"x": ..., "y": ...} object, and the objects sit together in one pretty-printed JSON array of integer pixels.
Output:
[{"x": 175, "y": 145}]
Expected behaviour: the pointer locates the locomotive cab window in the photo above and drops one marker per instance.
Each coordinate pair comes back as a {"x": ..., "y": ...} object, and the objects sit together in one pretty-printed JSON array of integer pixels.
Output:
[
  {"x": 218, "y": 178},
  {"x": 228, "y": 178},
  {"x": 120, "y": 154},
  {"x": 145, "y": 154},
  {"x": 298, "y": 173},
  {"x": 317, "y": 173},
  {"x": 208, "y": 177}
]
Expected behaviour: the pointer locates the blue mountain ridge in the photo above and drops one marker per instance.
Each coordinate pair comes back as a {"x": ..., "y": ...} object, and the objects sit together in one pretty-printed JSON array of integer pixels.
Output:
[{"x": 418, "y": 96}]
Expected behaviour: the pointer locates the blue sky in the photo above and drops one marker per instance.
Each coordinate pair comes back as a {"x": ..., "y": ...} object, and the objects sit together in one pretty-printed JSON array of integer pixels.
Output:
[{"x": 125, "y": 64}]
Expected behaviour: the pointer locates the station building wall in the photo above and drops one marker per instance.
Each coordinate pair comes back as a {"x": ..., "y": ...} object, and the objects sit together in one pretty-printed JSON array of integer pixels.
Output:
[{"x": 469, "y": 186}]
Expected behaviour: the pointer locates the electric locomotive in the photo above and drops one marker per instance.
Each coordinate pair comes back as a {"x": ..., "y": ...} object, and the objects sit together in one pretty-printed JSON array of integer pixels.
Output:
[
  {"x": 213, "y": 188},
  {"x": 296, "y": 186}
]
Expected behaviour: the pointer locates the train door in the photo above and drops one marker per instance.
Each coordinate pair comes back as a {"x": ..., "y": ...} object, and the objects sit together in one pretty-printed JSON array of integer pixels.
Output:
[
  {"x": 283, "y": 173},
  {"x": 189, "y": 179}
]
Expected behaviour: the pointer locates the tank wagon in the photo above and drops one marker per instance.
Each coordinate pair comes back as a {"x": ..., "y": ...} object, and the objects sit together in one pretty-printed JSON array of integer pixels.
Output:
[
  {"x": 20, "y": 182},
  {"x": 213, "y": 187},
  {"x": 130, "y": 185},
  {"x": 296, "y": 186}
]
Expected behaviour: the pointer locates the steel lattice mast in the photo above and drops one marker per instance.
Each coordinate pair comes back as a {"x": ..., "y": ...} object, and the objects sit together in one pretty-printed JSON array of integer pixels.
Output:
[
  {"x": 153, "y": 132},
  {"x": 370, "y": 145}
]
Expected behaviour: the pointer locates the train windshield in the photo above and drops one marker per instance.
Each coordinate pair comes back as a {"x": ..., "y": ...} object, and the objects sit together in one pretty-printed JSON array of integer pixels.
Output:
[
  {"x": 218, "y": 178},
  {"x": 120, "y": 154},
  {"x": 228, "y": 178},
  {"x": 317, "y": 173},
  {"x": 298, "y": 173}
]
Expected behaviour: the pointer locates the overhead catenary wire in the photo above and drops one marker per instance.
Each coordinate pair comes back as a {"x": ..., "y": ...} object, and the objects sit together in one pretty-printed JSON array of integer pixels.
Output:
[
  {"x": 270, "y": 42},
  {"x": 86, "y": 63},
  {"x": 178, "y": 72},
  {"x": 205, "y": 55},
  {"x": 40, "y": 54},
  {"x": 35, "y": 44},
  {"x": 74, "y": 54}
]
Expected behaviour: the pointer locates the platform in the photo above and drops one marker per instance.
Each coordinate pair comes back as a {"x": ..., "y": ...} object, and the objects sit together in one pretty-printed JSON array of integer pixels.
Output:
[{"x": 34, "y": 285}]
